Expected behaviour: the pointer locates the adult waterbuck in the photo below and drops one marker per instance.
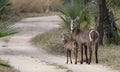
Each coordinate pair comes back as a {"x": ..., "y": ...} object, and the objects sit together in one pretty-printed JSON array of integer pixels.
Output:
[{"x": 85, "y": 39}]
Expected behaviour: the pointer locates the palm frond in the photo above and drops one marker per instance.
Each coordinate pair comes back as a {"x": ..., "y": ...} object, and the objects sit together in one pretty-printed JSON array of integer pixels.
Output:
[
  {"x": 66, "y": 22},
  {"x": 113, "y": 3},
  {"x": 73, "y": 10}
]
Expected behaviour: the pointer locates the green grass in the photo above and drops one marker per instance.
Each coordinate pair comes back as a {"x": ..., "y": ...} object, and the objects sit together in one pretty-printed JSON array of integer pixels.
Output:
[
  {"x": 51, "y": 42},
  {"x": 6, "y": 31},
  {"x": 5, "y": 67}
]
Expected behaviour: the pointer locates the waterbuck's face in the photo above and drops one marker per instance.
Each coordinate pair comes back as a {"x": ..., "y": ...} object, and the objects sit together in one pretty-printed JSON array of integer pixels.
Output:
[
  {"x": 63, "y": 37},
  {"x": 73, "y": 23}
]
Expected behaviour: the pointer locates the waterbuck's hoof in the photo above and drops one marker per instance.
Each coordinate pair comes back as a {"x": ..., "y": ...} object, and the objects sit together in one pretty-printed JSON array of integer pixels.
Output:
[
  {"x": 88, "y": 62},
  {"x": 81, "y": 62},
  {"x": 75, "y": 62},
  {"x": 66, "y": 62},
  {"x": 97, "y": 62}
]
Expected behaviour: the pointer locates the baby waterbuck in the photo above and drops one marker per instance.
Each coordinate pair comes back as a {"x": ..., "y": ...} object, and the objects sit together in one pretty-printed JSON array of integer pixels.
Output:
[
  {"x": 85, "y": 38},
  {"x": 70, "y": 46}
]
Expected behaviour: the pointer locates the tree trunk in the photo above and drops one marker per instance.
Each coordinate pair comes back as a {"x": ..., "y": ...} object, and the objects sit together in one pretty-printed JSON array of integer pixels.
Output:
[
  {"x": 47, "y": 6},
  {"x": 101, "y": 6},
  {"x": 106, "y": 24},
  {"x": 110, "y": 29}
]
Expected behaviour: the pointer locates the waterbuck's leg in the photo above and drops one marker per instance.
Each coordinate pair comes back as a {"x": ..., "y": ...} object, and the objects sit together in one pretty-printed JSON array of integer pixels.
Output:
[
  {"x": 75, "y": 55},
  {"x": 90, "y": 53},
  {"x": 67, "y": 56},
  {"x": 96, "y": 52},
  {"x": 70, "y": 57},
  {"x": 86, "y": 53},
  {"x": 81, "y": 54}
]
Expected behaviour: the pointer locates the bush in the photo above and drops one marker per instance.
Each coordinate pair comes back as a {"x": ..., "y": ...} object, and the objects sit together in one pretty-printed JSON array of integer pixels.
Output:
[
  {"x": 35, "y": 5},
  {"x": 4, "y": 8},
  {"x": 6, "y": 30},
  {"x": 5, "y": 67}
]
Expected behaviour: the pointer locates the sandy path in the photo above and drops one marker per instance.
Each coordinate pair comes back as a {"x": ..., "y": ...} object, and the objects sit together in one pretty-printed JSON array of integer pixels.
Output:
[{"x": 25, "y": 57}]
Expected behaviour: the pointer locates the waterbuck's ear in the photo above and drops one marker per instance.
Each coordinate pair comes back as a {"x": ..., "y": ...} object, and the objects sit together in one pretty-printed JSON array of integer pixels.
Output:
[
  {"x": 69, "y": 18},
  {"x": 77, "y": 18},
  {"x": 62, "y": 34}
]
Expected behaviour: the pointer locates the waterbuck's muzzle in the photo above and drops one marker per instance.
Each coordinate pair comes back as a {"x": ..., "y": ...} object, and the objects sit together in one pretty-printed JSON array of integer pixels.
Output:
[{"x": 72, "y": 28}]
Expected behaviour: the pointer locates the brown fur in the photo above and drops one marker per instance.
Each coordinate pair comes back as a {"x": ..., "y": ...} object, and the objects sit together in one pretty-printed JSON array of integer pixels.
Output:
[
  {"x": 83, "y": 40},
  {"x": 70, "y": 46}
]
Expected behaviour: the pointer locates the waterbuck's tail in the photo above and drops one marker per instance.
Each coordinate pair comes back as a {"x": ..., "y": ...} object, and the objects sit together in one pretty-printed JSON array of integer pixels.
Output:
[{"x": 93, "y": 36}]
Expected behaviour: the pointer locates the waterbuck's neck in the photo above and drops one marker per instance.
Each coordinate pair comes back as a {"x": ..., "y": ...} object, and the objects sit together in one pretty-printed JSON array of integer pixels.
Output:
[{"x": 76, "y": 31}]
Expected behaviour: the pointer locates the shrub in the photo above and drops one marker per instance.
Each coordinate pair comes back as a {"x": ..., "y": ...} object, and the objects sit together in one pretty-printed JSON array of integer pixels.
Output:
[
  {"x": 4, "y": 8},
  {"x": 6, "y": 30}
]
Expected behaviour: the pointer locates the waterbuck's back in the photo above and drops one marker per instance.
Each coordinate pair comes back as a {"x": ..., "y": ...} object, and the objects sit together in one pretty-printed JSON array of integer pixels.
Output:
[
  {"x": 71, "y": 45},
  {"x": 85, "y": 36}
]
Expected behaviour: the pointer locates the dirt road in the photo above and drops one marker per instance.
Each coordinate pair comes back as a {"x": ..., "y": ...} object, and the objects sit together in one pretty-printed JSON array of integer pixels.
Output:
[{"x": 26, "y": 58}]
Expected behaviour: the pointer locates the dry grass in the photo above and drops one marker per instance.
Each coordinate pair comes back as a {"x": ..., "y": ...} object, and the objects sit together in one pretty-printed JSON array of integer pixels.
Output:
[
  {"x": 35, "y": 5},
  {"x": 110, "y": 55}
]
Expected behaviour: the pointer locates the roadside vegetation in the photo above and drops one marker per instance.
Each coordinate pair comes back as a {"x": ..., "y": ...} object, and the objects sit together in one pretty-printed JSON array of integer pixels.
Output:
[
  {"x": 5, "y": 67},
  {"x": 12, "y": 11}
]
